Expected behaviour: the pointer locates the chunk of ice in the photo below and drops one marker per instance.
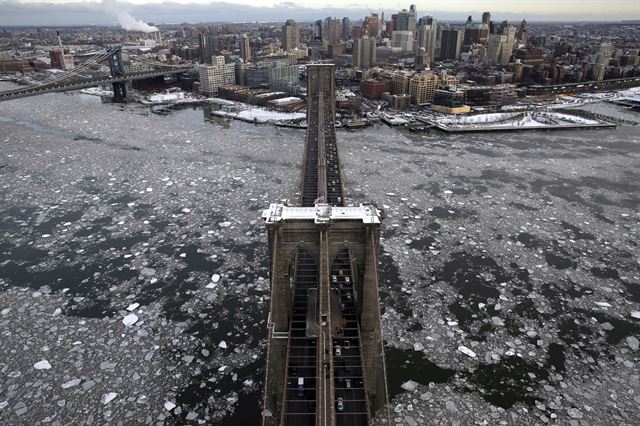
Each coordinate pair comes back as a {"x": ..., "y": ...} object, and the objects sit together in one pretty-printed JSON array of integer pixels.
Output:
[
  {"x": 130, "y": 319},
  {"x": 70, "y": 383},
  {"x": 465, "y": 350},
  {"x": 222, "y": 344},
  {"x": 42, "y": 365},
  {"x": 108, "y": 397},
  {"x": 169, "y": 405},
  {"x": 409, "y": 386},
  {"x": 133, "y": 307}
]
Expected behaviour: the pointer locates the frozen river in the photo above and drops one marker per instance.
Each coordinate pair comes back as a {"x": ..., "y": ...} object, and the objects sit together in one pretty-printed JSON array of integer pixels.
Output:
[{"x": 134, "y": 269}]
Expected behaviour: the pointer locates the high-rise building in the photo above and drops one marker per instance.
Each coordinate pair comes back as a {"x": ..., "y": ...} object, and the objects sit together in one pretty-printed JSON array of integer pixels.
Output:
[
  {"x": 208, "y": 47},
  {"x": 245, "y": 50},
  {"x": 607, "y": 49},
  {"x": 332, "y": 30},
  {"x": 422, "y": 88},
  {"x": 241, "y": 73},
  {"x": 451, "y": 44},
  {"x": 486, "y": 18},
  {"x": 500, "y": 46},
  {"x": 394, "y": 23},
  {"x": 507, "y": 51},
  {"x": 400, "y": 81},
  {"x": 346, "y": 29},
  {"x": 407, "y": 20},
  {"x": 364, "y": 52},
  {"x": 371, "y": 25},
  {"x": 290, "y": 35},
  {"x": 522, "y": 32},
  {"x": 494, "y": 48},
  {"x": 427, "y": 35},
  {"x": 317, "y": 30},
  {"x": 475, "y": 33},
  {"x": 216, "y": 75},
  {"x": 402, "y": 40}
]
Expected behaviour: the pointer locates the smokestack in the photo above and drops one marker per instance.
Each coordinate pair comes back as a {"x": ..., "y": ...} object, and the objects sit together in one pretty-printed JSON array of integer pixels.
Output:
[{"x": 60, "y": 41}]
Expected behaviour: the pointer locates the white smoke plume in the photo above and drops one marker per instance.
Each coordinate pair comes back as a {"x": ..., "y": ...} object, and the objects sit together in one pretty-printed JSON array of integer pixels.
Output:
[{"x": 125, "y": 19}]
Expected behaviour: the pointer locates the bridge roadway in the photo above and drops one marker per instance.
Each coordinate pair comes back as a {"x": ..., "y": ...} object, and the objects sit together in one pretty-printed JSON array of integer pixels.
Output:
[
  {"x": 330, "y": 363},
  {"x": 65, "y": 86}
]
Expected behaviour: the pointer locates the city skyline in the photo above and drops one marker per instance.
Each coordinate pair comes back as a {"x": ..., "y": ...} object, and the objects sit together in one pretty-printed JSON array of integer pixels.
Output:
[{"x": 81, "y": 12}]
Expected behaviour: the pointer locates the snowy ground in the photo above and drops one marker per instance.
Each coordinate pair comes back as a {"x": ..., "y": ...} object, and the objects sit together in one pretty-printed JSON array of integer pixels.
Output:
[
  {"x": 261, "y": 115},
  {"x": 521, "y": 250},
  {"x": 514, "y": 120}
]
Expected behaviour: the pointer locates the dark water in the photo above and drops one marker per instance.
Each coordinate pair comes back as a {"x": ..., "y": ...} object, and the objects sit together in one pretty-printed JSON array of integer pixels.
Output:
[{"x": 561, "y": 205}]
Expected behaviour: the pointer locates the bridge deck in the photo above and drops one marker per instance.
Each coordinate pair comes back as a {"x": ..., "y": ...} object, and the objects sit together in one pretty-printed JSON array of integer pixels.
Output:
[
  {"x": 64, "y": 86},
  {"x": 344, "y": 347}
]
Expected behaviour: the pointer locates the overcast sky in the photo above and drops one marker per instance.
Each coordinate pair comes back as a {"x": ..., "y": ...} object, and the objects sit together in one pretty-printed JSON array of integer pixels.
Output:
[{"x": 78, "y": 12}]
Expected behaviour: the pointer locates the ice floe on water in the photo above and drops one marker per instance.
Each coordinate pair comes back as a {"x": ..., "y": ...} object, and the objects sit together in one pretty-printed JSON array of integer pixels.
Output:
[
  {"x": 533, "y": 230},
  {"x": 42, "y": 365},
  {"x": 130, "y": 319}
]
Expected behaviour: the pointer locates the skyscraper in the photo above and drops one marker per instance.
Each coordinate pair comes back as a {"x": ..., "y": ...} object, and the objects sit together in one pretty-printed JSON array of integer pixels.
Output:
[
  {"x": 371, "y": 25},
  {"x": 245, "y": 50},
  {"x": 290, "y": 35},
  {"x": 317, "y": 29},
  {"x": 451, "y": 44},
  {"x": 500, "y": 46},
  {"x": 346, "y": 29},
  {"x": 407, "y": 20},
  {"x": 507, "y": 51},
  {"x": 486, "y": 18},
  {"x": 403, "y": 40},
  {"x": 364, "y": 52},
  {"x": 427, "y": 33},
  {"x": 522, "y": 32},
  {"x": 208, "y": 47},
  {"x": 332, "y": 30}
]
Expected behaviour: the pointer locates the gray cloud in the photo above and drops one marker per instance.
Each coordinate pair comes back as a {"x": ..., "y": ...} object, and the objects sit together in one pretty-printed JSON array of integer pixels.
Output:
[{"x": 47, "y": 14}]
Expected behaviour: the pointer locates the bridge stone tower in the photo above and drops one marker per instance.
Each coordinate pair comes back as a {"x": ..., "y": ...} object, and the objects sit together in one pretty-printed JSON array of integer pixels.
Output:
[
  {"x": 325, "y": 356},
  {"x": 117, "y": 70}
]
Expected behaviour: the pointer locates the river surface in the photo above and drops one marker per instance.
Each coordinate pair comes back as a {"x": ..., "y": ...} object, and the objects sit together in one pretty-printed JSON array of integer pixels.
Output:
[{"x": 510, "y": 277}]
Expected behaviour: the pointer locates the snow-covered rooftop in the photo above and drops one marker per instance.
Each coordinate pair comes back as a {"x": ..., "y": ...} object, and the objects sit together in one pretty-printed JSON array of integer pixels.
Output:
[{"x": 287, "y": 100}]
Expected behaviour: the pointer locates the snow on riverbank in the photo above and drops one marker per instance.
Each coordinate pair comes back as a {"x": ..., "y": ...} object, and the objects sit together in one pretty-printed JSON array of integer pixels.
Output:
[
  {"x": 515, "y": 120},
  {"x": 260, "y": 115}
]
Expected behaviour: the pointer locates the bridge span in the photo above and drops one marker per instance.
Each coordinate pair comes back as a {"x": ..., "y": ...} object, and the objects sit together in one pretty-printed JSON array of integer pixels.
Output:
[
  {"x": 117, "y": 79},
  {"x": 325, "y": 356}
]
